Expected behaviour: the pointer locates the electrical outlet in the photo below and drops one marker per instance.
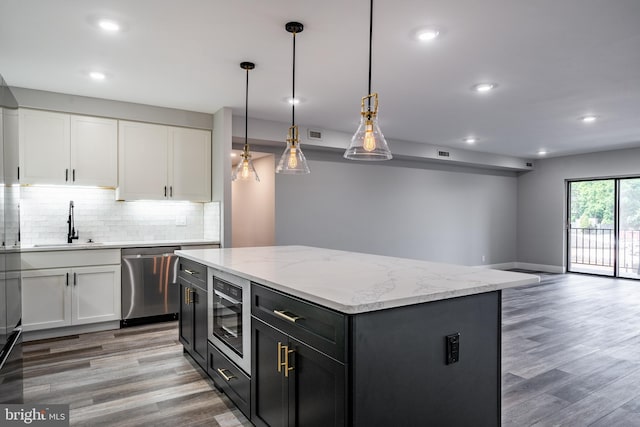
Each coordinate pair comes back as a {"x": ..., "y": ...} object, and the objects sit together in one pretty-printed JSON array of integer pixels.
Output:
[
  {"x": 484, "y": 258},
  {"x": 453, "y": 348}
]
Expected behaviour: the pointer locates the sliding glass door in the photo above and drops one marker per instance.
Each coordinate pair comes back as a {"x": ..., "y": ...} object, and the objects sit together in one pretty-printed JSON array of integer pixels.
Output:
[
  {"x": 604, "y": 227},
  {"x": 629, "y": 228},
  {"x": 591, "y": 227}
]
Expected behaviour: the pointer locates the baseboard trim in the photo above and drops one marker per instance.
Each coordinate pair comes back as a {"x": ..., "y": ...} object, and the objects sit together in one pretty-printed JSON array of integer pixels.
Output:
[
  {"x": 540, "y": 267},
  {"x": 69, "y": 330},
  {"x": 525, "y": 266}
]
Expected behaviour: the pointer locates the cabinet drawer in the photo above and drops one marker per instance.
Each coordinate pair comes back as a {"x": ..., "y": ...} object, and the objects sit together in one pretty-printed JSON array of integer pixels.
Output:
[
  {"x": 193, "y": 272},
  {"x": 236, "y": 385},
  {"x": 316, "y": 326}
]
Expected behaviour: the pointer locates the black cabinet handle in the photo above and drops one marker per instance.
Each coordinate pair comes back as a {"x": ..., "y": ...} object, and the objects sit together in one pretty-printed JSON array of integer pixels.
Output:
[
  {"x": 66, "y": 175},
  {"x": 75, "y": 279},
  {"x": 67, "y": 279},
  {"x": 165, "y": 191},
  {"x": 171, "y": 191},
  {"x": 73, "y": 174}
]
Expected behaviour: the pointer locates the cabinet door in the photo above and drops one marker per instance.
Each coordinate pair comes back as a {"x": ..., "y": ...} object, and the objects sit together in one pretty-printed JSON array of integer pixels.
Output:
[
  {"x": 269, "y": 388},
  {"x": 200, "y": 326},
  {"x": 142, "y": 161},
  {"x": 316, "y": 388},
  {"x": 46, "y": 299},
  {"x": 44, "y": 147},
  {"x": 96, "y": 294},
  {"x": 190, "y": 164},
  {"x": 94, "y": 148},
  {"x": 186, "y": 315}
]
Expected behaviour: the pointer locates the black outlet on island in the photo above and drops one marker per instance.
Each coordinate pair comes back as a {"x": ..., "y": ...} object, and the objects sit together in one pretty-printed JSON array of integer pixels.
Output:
[{"x": 453, "y": 348}]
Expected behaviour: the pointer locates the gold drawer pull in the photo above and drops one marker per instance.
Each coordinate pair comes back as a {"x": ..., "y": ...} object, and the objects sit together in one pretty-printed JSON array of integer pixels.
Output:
[
  {"x": 187, "y": 296},
  {"x": 280, "y": 347},
  {"x": 287, "y": 315},
  {"x": 284, "y": 364},
  {"x": 226, "y": 377}
]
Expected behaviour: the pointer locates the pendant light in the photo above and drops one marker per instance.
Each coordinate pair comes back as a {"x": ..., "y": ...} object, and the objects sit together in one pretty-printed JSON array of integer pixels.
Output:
[
  {"x": 245, "y": 170},
  {"x": 368, "y": 142},
  {"x": 293, "y": 161}
]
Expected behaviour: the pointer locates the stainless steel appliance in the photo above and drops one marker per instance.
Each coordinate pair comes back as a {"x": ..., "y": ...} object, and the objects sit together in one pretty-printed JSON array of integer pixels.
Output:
[
  {"x": 150, "y": 290},
  {"x": 230, "y": 317}
]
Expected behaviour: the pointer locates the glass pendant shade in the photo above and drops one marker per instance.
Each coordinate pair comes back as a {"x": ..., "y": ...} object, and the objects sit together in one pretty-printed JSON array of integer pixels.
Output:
[
  {"x": 292, "y": 161},
  {"x": 245, "y": 171},
  {"x": 368, "y": 142}
]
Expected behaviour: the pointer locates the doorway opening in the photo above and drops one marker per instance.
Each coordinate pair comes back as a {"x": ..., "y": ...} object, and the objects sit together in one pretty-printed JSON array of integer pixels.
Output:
[{"x": 603, "y": 227}]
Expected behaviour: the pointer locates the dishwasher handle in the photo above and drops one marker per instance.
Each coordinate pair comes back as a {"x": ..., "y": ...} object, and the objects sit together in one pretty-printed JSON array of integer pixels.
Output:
[{"x": 147, "y": 256}]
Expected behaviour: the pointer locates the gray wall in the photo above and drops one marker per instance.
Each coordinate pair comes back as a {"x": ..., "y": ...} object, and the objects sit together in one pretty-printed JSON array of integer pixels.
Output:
[
  {"x": 542, "y": 200},
  {"x": 422, "y": 211}
]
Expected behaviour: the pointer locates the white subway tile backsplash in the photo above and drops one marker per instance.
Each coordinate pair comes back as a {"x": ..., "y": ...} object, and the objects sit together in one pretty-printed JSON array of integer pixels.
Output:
[{"x": 98, "y": 216}]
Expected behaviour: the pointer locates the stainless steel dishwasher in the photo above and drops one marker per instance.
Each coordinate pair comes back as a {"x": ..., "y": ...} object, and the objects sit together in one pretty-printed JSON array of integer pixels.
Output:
[{"x": 150, "y": 290}]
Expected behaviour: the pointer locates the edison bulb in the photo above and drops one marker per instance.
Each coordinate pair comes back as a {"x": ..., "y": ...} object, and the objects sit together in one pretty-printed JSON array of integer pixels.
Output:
[
  {"x": 369, "y": 142},
  {"x": 245, "y": 169},
  {"x": 293, "y": 159}
]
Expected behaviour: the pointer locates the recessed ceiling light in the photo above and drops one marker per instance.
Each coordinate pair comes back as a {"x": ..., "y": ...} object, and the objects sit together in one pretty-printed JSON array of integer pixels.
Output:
[
  {"x": 588, "y": 119},
  {"x": 427, "y": 34},
  {"x": 470, "y": 140},
  {"x": 293, "y": 101},
  {"x": 97, "y": 75},
  {"x": 109, "y": 25},
  {"x": 233, "y": 154},
  {"x": 484, "y": 87},
  {"x": 542, "y": 152}
]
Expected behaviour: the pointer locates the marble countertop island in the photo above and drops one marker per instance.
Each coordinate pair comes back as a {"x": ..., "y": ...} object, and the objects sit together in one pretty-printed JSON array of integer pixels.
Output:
[{"x": 351, "y": 282}]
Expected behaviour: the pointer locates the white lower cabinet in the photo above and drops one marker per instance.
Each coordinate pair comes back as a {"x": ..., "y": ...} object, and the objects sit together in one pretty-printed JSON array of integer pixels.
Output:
[
  {"x": 79, "y": 295},
  {"x": 46, "y": 299}
]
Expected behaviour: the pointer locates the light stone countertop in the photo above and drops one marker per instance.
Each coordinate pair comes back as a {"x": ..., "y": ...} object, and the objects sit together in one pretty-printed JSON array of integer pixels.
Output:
[
  {"x": 111, "y": 245},
  {"x": 351, "y": 282}
]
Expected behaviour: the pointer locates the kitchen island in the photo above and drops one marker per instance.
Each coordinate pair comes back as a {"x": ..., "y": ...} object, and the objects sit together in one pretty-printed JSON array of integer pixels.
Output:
[{"x": 343, "y": 338}]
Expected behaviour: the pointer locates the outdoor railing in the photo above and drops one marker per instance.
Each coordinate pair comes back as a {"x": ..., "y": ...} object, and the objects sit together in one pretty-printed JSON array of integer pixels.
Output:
[{"x": 596, "y": 247}]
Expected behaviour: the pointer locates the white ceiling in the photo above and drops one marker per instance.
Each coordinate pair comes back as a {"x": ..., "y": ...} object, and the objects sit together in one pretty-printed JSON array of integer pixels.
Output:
[{"x": 554, "y": 61}]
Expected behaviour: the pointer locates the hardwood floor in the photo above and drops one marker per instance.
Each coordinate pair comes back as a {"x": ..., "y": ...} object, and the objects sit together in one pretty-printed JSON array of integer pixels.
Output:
[
  {"x": 571, "y": 352},
  {"x": 571, "y": 357},
  {"x": 135, "y": 376}
]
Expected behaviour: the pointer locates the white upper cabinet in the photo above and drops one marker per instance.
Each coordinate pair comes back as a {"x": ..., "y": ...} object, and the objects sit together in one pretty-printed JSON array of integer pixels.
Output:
[
  {"x": 163, "y": 162},
  {"x": 190, "y": 168},
  {"x": 44, "y": 147},
  {"x": 142, "y": 160},
  {"x": 58, "y": 148},
  {"x": 94, "y": 151}
]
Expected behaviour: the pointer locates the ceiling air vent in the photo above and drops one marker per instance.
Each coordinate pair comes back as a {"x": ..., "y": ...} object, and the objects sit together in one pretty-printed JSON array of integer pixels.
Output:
[
  {"x": 442, "y": 153},
  {"x": 314, "y": 134},
  {"x": 529, "y": 164}
]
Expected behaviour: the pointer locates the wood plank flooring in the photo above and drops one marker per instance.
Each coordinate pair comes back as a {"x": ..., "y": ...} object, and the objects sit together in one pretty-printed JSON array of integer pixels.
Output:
[
  {"x": 571, "y": 357},
  {"x": 571, "y": 352},
  {"x": 135, "y": 376}
]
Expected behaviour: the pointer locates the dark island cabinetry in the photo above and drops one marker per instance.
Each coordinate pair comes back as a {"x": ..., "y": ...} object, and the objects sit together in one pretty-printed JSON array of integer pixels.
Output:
[
  {"x": 192, "y": 278},
  {"x": 293, "y": 383},
  {"x": 316, "y": 367}
]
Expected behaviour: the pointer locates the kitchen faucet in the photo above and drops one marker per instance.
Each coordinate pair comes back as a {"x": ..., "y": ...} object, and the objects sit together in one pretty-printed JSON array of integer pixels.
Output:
[{"x": 72, "y": 233}]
